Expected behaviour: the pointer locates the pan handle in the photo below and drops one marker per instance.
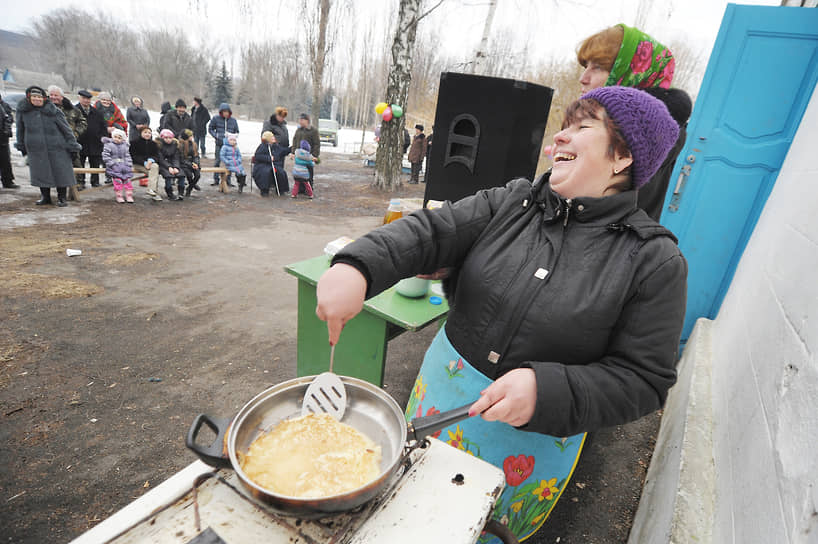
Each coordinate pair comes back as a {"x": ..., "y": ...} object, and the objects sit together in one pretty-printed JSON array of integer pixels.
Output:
[
  {"x": 421, "y": 427},
  {"x": 214, "y": 454}
]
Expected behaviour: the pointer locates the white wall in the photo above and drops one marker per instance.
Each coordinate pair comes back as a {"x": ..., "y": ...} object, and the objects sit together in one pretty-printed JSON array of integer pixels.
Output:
[{"x": 765, "y": 366}]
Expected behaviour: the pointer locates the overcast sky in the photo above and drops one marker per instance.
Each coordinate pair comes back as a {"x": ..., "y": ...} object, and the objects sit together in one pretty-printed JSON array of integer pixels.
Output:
[{"x": 545, "y": 27}]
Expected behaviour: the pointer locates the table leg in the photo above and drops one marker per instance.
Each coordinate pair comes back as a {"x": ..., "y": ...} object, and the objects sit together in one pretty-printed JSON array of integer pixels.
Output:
[{"x": 360, "y": 353}]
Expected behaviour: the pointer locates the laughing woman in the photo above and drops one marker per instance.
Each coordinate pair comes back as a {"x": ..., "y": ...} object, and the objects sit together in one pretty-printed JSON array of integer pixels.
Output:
[
  {"x": 566, "y": 300},
  {"x": 44, "y": 136}
]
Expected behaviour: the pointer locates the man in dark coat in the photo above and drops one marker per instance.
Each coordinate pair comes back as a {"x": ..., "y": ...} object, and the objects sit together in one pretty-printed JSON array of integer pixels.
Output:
[
  {"x": 416, "y": 153},
  {"x": 44, "y": 136},
  {"x": 91, "y": 139},
  {"x": 6, "y": 120},
  {"x": 306, "y": 131},
  {"x": 201, "y": 117},
  {"x": 178, "y": 120},
  {"x": 219, "y": 126}
]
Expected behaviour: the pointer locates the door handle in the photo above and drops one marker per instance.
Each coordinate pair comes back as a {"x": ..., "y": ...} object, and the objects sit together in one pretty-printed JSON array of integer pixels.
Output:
[{"x": 681, "y": 181}]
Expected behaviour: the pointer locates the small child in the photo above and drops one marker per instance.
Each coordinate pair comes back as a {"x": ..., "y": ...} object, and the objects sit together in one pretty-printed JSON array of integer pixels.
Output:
[
  {"x": 118, "y": 164},
  {"x": 170, "y": 163},
  {"x": 189, "y": 160},
  {"x": 231, "y": 157},
  {"x": 301, "y": 175}
]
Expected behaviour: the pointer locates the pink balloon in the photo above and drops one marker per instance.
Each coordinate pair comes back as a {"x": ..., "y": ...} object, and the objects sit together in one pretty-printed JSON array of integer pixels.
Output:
[{"x": 387, "y": 114}]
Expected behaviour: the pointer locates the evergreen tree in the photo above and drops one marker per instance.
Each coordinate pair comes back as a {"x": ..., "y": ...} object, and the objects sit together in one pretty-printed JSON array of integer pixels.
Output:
[{"x": 221, "y": 88}]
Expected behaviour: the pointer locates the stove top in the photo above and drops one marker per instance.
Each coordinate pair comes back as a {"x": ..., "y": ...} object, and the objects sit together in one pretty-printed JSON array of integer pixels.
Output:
[{"x": 445, "y": 495}]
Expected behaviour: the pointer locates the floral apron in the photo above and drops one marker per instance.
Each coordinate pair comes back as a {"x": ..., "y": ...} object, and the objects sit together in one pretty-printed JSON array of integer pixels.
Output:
[{"x": 537, "y": 467}]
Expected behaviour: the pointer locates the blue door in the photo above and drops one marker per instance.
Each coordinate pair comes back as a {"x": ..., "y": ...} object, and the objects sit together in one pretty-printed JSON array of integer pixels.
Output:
[{"x": 761, "y": 74}]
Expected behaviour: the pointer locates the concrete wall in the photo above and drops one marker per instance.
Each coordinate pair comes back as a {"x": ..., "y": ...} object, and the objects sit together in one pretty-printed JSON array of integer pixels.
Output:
[{"x": 765, "y": 366}]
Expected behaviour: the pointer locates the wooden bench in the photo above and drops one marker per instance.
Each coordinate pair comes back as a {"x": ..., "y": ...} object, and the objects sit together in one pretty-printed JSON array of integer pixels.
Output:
[{"x": 73, "y": 193}]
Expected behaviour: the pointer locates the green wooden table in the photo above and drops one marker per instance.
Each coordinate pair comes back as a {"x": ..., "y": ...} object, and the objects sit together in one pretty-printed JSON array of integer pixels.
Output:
[{"x": 361, "y": 351}]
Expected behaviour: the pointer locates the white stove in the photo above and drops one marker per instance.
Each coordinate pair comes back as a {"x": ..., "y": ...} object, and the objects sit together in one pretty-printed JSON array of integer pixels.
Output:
[{"x": 445, "y": 495}]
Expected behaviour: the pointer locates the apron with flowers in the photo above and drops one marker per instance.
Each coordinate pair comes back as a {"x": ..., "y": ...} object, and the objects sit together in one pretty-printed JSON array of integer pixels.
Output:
[{"x": 537, "y": 467}]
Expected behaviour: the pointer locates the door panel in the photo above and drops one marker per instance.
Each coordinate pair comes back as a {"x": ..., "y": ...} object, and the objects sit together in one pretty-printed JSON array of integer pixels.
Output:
[{"x": 759, "y": 79}]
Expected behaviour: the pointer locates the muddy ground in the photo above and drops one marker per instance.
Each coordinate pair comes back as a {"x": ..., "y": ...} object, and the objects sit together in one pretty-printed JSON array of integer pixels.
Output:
[{"x": 176, "y": 308}]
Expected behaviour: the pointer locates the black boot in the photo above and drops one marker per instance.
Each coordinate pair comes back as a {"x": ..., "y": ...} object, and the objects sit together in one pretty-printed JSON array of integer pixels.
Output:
[
  {"x": 61, "y": 200},
  {"x": 169, "y": 192},
  {"x": 10, "y": 185},
  {"x": 45, "y": 196},
  {"x": 188, "y": 190},
  {"x": 240, "y": 179}
]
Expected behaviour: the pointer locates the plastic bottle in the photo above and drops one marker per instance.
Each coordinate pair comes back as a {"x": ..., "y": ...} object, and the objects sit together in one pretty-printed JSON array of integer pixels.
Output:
[{"x": 394, "y": 212}]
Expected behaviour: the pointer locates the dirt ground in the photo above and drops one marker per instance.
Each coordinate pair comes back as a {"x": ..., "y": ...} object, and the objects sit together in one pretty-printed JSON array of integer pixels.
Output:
[{"x": 177, "y": 308}]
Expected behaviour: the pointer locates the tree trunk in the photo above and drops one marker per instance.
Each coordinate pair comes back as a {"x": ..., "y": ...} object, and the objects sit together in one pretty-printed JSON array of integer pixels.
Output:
[
  {"x": 320, "y": 56},
  {"x": 390, "y": 147}
]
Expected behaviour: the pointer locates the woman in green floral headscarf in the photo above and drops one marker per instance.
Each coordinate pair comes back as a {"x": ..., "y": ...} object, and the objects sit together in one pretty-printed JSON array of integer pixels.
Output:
[{"x": 627, "y": 57}]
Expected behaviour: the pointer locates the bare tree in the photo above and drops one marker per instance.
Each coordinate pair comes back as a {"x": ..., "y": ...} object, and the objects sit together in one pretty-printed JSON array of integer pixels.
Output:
[
  {"x": 388, "y": 159},
  {"x": 317, "y": 18}
]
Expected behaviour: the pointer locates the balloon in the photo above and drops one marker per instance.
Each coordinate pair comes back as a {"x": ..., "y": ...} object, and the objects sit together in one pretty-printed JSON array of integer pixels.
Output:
[
  {"x": 397, "y": 111},
  {"x": 379, "y": 109},
  {"x": 387, "y": 114}
]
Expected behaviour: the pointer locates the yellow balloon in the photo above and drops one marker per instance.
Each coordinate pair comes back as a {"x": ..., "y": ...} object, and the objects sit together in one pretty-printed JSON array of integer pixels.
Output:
[{"x": 380, "y": 107}]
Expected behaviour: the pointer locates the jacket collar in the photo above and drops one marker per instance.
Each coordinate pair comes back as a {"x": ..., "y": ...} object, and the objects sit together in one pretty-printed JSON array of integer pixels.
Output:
[{"x": 604, "y": 210}]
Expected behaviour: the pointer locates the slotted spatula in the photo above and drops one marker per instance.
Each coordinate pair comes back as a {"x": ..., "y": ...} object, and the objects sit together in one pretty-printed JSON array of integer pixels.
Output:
[{"x": 326, "y": 393}]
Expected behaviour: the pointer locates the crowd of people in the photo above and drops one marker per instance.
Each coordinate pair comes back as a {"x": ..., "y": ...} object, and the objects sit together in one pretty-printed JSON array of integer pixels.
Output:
[{"x": 57, "y": 137}]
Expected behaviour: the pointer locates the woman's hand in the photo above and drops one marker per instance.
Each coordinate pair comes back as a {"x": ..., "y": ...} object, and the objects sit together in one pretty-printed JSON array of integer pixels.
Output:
[
  {"x": 511, "y": 399},
  {"x": 341, "y": 292}
]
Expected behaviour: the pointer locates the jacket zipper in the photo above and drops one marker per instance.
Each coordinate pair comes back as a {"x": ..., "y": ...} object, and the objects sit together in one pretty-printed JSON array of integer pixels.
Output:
[{"x": 567, "y": 212}]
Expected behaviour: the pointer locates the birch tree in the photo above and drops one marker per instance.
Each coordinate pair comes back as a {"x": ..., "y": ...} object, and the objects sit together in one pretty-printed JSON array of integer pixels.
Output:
[{"x": 390, "y": 147}]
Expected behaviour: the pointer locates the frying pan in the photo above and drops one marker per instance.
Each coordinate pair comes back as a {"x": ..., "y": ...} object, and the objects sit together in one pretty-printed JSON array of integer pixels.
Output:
[{"x": 369, "y": 410}]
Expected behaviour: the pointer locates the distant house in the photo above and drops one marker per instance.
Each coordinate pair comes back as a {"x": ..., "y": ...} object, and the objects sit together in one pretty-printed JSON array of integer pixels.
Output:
[{"x": 17, "y": 79}]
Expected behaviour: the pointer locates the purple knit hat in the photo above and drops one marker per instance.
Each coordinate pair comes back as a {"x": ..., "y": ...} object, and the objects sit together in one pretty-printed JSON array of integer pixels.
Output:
[{"x": 644, "y": 122}]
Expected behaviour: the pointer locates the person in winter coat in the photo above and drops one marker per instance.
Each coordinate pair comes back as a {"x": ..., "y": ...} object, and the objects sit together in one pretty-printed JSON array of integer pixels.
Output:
[
  {"x": 277, "y": 124},
  {"x": 91, "y": 139},
  {"x": 626, "y": 56},
  {"x": 268, "y": 165},
  {"x": 137, "y": 117},
  {"x": 201, "y": 117},
  {"x": 231, "y": 157},
  {"x": 118, "y": 164},
  {"x": 178, "y": 119},
  {"x": 170, "y": 164},
  {"x": 566, "y": 300},
  {"x": 6, "y": 121},
  {"x": 111, "y": 113},
  {"x": 44, "y": 136},
  {"x": 145, "y": 157},
  {"x": 163, "y": 113},
  {"x": 76, "y": 120},
  {"x": 416, "y": 153},
  {"x": 306, "y": 131},
  {"x": 219, "y": 126},
  {"x": 189, "y": 160},
  {"x": 301, "y": 174}
]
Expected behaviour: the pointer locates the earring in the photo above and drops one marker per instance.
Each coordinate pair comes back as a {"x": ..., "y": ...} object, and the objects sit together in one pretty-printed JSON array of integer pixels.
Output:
[{"x": 616, "y": 172}]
